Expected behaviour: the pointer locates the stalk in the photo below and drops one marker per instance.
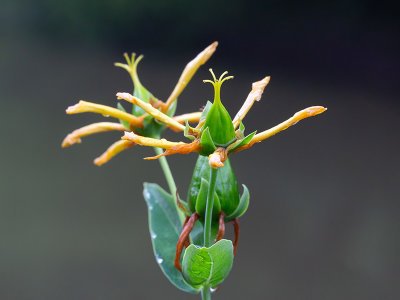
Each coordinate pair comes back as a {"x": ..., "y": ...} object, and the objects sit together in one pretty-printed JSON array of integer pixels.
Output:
[
  {"x": 167, "y": 171},
  {"x": 209, "y": 208},
  {"x": 170, "y": 179},
  {"x": 206, "y": 293}
]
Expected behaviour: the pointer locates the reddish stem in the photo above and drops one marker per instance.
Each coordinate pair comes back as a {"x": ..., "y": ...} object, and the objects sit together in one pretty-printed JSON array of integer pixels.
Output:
[
  {"x": 236, "y": 228},
  {"x": 187, "y": 228}
]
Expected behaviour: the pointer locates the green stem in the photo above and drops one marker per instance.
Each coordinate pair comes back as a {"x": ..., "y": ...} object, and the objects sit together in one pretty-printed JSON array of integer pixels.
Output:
[
  {"x": 167, "y": 171},
  {"x": 206, "y": 293},
  {"x": 169, "y": 178},
  {"x": 209, "y": 208}
]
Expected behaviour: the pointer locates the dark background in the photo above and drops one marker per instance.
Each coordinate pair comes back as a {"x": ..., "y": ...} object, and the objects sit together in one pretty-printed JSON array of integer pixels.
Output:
[{"x": 323, "y": 221}]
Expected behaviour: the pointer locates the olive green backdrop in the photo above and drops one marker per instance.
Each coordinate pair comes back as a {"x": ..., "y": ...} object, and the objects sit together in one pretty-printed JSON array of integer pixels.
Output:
[{"x": 323, "y": 220}]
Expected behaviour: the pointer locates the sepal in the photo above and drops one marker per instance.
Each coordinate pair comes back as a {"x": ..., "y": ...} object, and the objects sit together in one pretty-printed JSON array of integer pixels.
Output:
[
  {"x": 207, "y": 143},
  {"x": 187, "y": 130},
  {"x": 241, "y": 142},
  {"x": 241, "y": 130},
  {"x": 243, "y": 205},
  {"x": 205, "y": 111}
]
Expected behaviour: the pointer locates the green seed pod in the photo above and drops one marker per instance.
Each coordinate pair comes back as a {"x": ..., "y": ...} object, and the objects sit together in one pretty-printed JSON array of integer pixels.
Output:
[
  {"x": 151, "y": 127},
  {"x": 218, "y": 120},
  {"x": 226, "y": 188}
]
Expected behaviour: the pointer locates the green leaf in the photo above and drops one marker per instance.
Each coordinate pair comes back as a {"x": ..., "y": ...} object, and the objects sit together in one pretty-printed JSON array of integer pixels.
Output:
[
  {"x": 125, "y": 123},
  {"x": 243, "y": 205},
  {"x": 241, "y": 143},
  {"x": 206, "y": 142},
  {"x": 165, "y": 228},
  {"x": 207, "y": 266}
]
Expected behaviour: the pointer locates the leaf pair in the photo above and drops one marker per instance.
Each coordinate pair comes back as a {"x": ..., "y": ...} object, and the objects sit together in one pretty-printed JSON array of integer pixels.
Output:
[
  {"x": 207, "y": 267},
  {"x": 201, "y": 266}
]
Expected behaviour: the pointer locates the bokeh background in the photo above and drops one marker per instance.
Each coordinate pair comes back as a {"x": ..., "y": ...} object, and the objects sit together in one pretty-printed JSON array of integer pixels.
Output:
[{"x": 324, "y": 216}]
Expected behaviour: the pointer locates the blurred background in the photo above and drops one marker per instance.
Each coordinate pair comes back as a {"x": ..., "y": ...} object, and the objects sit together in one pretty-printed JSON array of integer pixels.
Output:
[{"x": 323, "y": 221}]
